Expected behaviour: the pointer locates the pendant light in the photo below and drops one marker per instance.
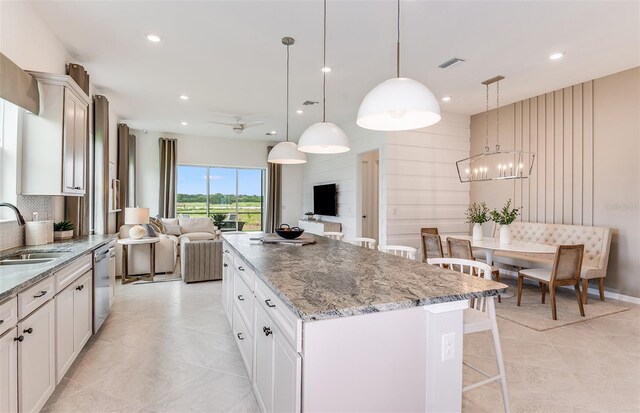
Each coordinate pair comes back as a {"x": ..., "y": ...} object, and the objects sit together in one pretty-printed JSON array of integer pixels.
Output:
[
  {"x": 287, "y": 152},
  {"x": 324, "y": 137},
  {"x": 495, "y": 165},
  {"x": 400, "y": 103}
]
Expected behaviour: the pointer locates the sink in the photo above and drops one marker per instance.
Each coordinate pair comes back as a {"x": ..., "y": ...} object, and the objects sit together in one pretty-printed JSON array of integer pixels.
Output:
[{"x": 31, "y": 258}]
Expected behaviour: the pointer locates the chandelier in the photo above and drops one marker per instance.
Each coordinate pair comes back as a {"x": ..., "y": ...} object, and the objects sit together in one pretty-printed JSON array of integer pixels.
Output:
[{"x": 495, "y": 165}]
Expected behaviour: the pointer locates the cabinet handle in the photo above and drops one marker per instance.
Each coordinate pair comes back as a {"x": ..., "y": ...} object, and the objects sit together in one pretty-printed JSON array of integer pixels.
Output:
[
  {"x": 77, "y": 187},
  {"x": 240, "y": 336},
  {"x": 241, "y": 268},
  {"x": 267, "y": 331},
  {"x": 225, "y": 265},
  {"x": 1, "y": 321},
  {"x": 20, "y": 338},
  {"x": 42, "y": 293},
  {"x": 226, "y": 251},
  {"x": 28, "y": 330},
  {"x": 240, "y": 297},
  {"x": 80, "y": 287},
  {"x": 268, "y": 303}
]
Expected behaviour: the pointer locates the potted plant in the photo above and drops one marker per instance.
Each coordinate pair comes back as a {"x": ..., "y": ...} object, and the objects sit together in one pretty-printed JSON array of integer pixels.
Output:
[
  {"x": 218, "y": 218},
  {"x": 504, "y": 218},
  {"x": 62, "y": 230},
  {"x": 477, "y": 214},
  {"x": 309, "y": 215}
]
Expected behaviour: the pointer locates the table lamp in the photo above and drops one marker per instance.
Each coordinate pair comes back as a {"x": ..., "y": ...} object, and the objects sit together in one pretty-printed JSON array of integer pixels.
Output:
[{"x": 136, "y": 216}]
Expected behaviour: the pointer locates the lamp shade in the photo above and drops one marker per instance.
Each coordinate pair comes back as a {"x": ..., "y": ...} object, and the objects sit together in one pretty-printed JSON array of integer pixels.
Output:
[
  {"x": 323, "y": 137},
  {"x": 398, "y": 104},
  {"x": 286, "y": 153},
  {"x": 136, "y": 216}
]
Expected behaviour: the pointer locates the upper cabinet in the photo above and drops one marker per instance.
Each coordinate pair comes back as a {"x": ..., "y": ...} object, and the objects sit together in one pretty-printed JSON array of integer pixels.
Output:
[{"x": 54, "y": 142}]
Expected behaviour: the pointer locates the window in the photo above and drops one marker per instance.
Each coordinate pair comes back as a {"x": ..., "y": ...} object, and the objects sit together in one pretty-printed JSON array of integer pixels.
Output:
[{"x": 232, "y": 197}]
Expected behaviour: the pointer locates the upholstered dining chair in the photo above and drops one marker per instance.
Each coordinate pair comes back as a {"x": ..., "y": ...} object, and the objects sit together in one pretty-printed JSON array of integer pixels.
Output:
[
  {"x": 431, "y": 246},
  {"x": 480, "y": 316},
  {"x": 334, "y": 235},
  {"x": 364, "y": 242},
  {"x": 567, "y": 266},
  {"x": 399, "y": 250},
  {"x": 461, "y": 248}
]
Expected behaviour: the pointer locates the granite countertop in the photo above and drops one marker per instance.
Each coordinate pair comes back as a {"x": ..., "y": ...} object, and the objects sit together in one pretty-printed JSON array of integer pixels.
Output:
[
  {"x": 332, "y": 279},
  {"x": 15, "y": 278}
]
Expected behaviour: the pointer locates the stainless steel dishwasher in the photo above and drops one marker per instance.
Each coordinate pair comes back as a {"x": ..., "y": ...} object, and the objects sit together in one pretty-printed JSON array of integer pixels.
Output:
[{"x": 101, "y": 284}]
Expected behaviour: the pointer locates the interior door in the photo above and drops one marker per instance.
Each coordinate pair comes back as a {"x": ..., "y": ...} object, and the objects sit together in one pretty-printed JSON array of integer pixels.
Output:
[{"x": 369, "y": 187}]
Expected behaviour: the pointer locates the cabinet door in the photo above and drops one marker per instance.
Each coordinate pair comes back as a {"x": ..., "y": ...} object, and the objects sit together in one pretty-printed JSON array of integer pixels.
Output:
[
  {"x": 82, "y": 314},
  {"x": 36, "y": 359},
  {"x": 286, "y": 374},
  {"x": 65, "y": 349},
  {"x": 68, "y": 145},
  {"x": 79, "y": 146},
  {"x": 9, "y": 372},
  {"x": 263, "y": 360}
]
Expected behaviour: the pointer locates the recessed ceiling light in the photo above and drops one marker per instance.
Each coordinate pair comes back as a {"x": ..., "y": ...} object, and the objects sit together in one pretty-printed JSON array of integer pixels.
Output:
[
  {"x": 184, "y": 97},
  {"x": 299, "y": 111},
  {"x": 183, "y": 123},
  {"x": 556, "y": 56},
  {"x": 272, "y": 133},
  {"x": 446, "y": 98},
  {"x": 326, "y": 69},
  {"x": 153, "y": 37}
]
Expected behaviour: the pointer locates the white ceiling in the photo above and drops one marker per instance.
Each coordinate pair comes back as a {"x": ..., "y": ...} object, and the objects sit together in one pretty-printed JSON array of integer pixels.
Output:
[{"x": 227, "y": 56}]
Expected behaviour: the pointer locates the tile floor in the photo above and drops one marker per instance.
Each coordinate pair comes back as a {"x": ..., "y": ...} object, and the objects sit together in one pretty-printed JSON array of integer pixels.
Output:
[{"x": 167, "y": 347}]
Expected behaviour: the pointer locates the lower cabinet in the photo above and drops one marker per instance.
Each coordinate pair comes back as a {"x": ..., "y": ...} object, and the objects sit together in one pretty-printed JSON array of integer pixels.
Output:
[
  {"x": 9, "y": 371},
  {"x": 36, "y": 358},
  {"x": 73, "y": 322},
  {"x": 227, "y": 285},
  {"x": 277, "y": 367}
]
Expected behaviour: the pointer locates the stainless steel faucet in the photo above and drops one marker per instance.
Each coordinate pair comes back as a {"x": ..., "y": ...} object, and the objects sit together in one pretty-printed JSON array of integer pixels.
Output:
[{"x": 19, "y": 217}]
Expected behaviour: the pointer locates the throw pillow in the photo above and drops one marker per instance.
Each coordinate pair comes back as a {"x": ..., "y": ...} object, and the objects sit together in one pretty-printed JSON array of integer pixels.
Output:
[
  {"x": 188, "y": 225},
  {"x": 172, "y": 229},
  {"x": 151, "y": 232},
  {"x": 157, "y": 224}
]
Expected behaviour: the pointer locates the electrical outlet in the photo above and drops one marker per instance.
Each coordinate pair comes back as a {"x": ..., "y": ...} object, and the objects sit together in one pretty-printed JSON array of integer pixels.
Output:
[{"x": 448, "y": 346}]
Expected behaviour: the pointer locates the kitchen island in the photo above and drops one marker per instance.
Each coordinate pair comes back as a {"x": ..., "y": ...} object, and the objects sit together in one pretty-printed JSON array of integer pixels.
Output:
[{"x": 336, "y": 327}]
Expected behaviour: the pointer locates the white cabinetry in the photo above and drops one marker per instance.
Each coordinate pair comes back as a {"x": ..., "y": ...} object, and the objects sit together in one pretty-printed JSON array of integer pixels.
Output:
[
  {"x": 319, "y": 227},
  {"x": 9, "y": 372},
  {"x": 36, "y": 358},
  {"x": 54, "y": 141},
  {"x": 227, "y": 282},
  {"x": 73, "y": 322}
]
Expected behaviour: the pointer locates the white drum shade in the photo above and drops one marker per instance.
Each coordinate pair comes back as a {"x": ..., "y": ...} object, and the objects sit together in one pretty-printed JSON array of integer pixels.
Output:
[
  {"x": 323, "y": 137},
  {"x": 398, "y": 104},
  {"x": 286, "y": 153},
  {"x": 136, "y": 215}
]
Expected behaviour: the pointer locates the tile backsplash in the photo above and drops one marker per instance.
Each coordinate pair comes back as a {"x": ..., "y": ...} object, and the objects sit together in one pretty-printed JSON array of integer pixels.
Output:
[{"x": 12, "y": 235}]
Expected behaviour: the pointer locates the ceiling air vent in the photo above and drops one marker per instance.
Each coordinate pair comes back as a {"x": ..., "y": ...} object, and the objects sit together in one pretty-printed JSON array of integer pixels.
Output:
[{"x": 450, "y": 62}]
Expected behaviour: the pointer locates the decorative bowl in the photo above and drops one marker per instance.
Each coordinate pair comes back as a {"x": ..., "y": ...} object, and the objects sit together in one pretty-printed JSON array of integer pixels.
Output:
[{"x": 285, "y": 231}]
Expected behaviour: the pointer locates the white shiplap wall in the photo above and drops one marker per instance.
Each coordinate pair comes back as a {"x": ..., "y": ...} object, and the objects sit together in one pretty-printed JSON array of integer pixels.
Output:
[{"x": 418, "y": 180}]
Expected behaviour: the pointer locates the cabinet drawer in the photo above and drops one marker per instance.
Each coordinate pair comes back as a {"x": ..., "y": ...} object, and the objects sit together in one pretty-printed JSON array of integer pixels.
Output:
[
  {"x": 227, "y": 253},
  {"x": 244, "y": 340},
  {"x": 35, "y": 296},
  {"x": 8, "y": 314},
  {"x": 243, "y": 297},
  {"x": 281, "y": 314},
  {"x": 245, "y": 273},
  {"x": 71, "y": 272}
]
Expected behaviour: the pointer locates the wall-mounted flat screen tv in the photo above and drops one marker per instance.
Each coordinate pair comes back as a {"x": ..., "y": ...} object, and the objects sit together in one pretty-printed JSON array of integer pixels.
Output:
[{"x": 325, "y": 200}]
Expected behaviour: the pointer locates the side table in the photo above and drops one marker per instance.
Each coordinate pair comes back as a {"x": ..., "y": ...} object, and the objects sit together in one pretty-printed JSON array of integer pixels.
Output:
[{"x": 125, "y": 242}]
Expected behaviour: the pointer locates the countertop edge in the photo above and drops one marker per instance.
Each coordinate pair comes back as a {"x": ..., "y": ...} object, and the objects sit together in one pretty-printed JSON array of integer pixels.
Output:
[{"x": 49, "y": 271}]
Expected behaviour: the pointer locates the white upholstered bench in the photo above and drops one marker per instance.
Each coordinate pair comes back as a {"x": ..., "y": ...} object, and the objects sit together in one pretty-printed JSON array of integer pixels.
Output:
[{"x": 596, "y": 240}]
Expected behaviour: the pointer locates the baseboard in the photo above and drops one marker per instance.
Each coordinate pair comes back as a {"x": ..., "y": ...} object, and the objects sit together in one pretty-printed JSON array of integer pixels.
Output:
[{"x": 592, "y": 290}]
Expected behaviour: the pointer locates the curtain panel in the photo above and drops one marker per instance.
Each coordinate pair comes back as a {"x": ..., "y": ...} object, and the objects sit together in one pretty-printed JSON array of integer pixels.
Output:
[
  {"x": 168, "y": 169},
  {"x": 102, "y": 184},
  {"x": 274, "y": 195},
  {"x": 123, "y": 170}
]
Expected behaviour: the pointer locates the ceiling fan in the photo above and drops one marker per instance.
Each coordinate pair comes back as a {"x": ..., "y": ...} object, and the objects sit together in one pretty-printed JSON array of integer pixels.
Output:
[{"x": 239, "y": 126}]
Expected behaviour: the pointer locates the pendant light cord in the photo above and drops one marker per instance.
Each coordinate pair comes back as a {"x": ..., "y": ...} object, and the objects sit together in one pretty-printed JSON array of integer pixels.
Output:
[
  {"x": 398, "y": 42},
  {"x": 497, "y": 116},
  {"x": 324, "y": 65},
  {"x": 486, "y": 117},
  {"x": 287, "y": 130}
]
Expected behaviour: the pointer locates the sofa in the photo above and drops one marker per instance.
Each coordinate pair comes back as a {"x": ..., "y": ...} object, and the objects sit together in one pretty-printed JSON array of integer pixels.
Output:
[
  {"x": 596, "y": 240},
  {"x": 174, "y": 231}
]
